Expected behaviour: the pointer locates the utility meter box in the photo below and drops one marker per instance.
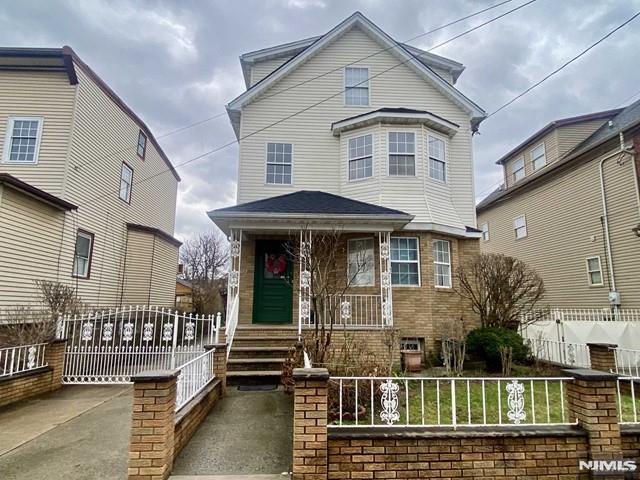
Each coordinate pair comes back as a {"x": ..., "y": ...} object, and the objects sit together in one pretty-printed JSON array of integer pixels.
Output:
[{"x": 614, "y": 298}]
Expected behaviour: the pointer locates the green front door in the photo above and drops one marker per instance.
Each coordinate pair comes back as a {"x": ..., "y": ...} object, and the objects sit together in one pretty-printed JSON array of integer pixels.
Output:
[{"x": 272, "y": 288}]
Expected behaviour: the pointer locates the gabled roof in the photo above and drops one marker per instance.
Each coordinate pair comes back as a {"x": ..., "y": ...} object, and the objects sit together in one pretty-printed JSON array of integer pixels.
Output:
[
  {"x": 308, "y": 202},
  {"x": 65, "y": 60},
  {"x": 563, "y": 122},
  {"x": 355, "y": 20},
  {"x": 395, "y": 115},
  {"x": 24, "y": 187}
]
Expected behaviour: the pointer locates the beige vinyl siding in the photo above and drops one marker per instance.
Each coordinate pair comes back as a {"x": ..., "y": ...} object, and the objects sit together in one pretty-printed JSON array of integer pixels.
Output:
[
  {"x": 39, "y": 94},
  {"x": 550, "y": 141},
  {"x": 103, "y": 137},
  {"x": 564, "y": 228},
  {"x": 318, "y": 162},
  {"x": 29, "y": 246},
  {"x": 571, "y": 135},
  {"x": 260, "y": 70},
  {"x": 165, "y": 269}
]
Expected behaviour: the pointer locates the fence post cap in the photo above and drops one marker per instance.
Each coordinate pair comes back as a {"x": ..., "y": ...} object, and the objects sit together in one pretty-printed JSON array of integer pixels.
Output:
[
  {"x": 589, "y": 374},
  {"x": 310, "y": 373},
  {"x": 610, "y": 346},
  {"x": 155, "y": 376},
  {"x": 57, "y": 340},
  {"x": 216, "y": 346}
]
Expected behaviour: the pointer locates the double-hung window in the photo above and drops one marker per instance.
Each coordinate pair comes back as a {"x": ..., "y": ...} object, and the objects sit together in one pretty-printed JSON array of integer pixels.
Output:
[
  {"x": 361, "y": 157},
  {"x": 356, "y": 86},
  {"x": 594, "y": 271},
  {"x": 402, "y": 153},
  {"x": 437, "y": 159},
  {"x": 22, "y": 140},
  {"x": 405, "y": 263},
  {"x": 361, "y": 267},
  {"x": 279, "y": 163},
  {"x": 442, "y": 263},
  {"x": 538, "y": 157},
  {"x": 126, "y": 181},
  {"x": 485, "y": 232},
  {"x": 82, "y": 256},
  {"x": 520, "y": 226},
  {"x": 142, "y": 144},
  {"x": 518, "y": 169}
]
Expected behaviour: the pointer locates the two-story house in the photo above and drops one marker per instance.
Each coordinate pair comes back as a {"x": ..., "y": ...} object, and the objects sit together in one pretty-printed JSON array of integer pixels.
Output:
[
  {"x": 87, "y": 196},
  {"x": 570, "y": 208},
  {"x": 352, "y": 131}
]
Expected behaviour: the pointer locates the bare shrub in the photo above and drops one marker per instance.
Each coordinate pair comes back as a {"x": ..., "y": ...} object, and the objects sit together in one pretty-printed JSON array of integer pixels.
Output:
[
  {"x": 293, "y": 360},
  {"x": 506, "y": 360},
  {"x": 502, "y": 290},
  {"x": 454, "y": 347}
]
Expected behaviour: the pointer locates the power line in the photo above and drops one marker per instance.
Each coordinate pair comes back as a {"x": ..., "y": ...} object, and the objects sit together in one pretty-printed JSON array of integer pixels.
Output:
[
  {"x": 304, "y": 82},
  {"x": 546, "y": 77},
  {"x": 288, "y": 117}
]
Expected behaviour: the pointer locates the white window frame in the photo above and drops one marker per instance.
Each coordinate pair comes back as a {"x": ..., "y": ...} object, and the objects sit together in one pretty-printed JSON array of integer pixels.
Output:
[
  {"x": 6, "y": 154},
  {"x": 533, "y": 160},
  {"x": 417, "y": 261},
  {"x": 444, "y": 160},
  {"x": 349, "y": 159},
  {"x": 514, "y": 171},
  {"x": 414, "y": 154},
  {"x": 589, "y": 271},
  {"x": 352, "y": 283},
  {"x": 436, "y": 263},
  {"x": 485, "y": 231},
  {"x": 128, "y": 196},
  {"x": 91, "y": 237},
  {"x": 524, "y": 226},
  {"x": 267, "y": 163},
  {"x": 344, "y": 84}
]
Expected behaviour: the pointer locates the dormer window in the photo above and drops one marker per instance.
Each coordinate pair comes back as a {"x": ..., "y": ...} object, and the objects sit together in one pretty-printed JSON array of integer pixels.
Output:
[
  {"x": 518, "y": 169},
  {"x": 356, "y": 86},
  {"x": 538, "y": 157}
]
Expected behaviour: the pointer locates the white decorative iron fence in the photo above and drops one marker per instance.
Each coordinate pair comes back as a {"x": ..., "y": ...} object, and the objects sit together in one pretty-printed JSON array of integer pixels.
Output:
[
  {"x": 446, "y": 402},
  {"x": 193, "y": 377},
  {"x": 110, "y": 346},
  {"x": 22, "y": 359},
  {"x": 560, "y": 353},
  {"x": 627, "y": 362},
  {"x": 363, "y": 311},
  {"x": 628, "y": 400}
]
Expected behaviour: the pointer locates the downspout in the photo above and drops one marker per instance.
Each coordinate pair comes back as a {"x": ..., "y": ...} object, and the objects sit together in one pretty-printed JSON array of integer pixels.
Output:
[{"x": 605, "y": 217}]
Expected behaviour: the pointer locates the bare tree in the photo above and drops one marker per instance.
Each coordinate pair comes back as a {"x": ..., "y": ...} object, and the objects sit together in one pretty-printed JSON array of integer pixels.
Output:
[
  {"x": 502, "y": 290},
  {"x": 205, "y": 258},
  {"x": 329, "y": 282}
]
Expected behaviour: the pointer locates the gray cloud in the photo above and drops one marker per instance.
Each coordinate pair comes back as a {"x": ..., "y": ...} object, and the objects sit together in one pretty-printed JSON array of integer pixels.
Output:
[{"x": 176, "y": 63}]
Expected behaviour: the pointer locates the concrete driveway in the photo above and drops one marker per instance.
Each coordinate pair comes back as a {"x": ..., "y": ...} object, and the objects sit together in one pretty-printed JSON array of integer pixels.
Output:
[{"x": 78, "y": 432}]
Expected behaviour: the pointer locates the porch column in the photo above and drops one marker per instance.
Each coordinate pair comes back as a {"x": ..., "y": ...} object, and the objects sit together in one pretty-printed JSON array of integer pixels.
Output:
[
  {"x": 233, "y": 284},
  {"x": 304, "y": 292},
  {"x": 386, "y": 295}
]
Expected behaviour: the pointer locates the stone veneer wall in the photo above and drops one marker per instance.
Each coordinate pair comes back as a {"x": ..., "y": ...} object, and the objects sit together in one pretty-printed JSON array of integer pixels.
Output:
[{"x": 27, "y": 384}]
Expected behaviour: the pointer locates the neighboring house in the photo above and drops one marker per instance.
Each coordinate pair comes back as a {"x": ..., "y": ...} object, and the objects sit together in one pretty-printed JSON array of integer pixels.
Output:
[
  {"x": 388, "y": 162},
  {"x": 570, "y": 208},
  {"x": 184, "y": 295},
  {"x": 73, "y": 208}
]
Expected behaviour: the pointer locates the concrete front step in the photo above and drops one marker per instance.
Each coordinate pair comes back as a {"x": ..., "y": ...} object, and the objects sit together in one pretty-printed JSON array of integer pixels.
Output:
[
  {"x": 263, "y": 341},
  {"x": 252, "y": 364},
  {"x": 254, "y": 373},
  {"x": 275, "y": 476},
  {"x": 238, "y": 352}
]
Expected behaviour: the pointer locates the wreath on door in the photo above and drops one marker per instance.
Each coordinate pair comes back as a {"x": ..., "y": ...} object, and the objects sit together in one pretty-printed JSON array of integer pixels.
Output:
[{"x": 276, "y": 264}]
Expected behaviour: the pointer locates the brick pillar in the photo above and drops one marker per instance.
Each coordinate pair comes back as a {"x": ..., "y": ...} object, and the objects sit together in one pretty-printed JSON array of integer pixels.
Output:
[
  {"x": 310, "y": 424},
  {"x": 54, "y": 357},
  {"x": 603, "y": 356},
  {"x": 151, "y": 447},
  {"x": 592, "y": 401},
  {"x": 219, "y": 363}
]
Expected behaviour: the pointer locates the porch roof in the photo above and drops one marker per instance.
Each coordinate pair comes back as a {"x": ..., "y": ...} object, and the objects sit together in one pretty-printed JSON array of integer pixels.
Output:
[{"x": 305, "y": 206}]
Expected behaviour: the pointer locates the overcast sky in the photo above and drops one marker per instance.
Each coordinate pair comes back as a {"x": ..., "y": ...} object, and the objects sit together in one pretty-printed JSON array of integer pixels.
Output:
[{"x": 176, "y": 62}]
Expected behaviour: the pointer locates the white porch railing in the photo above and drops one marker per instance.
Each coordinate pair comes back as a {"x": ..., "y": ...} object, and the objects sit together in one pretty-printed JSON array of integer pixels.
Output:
[
  {"x": 363, "y": 311},
  {"x": 627, "y": 362},
  {"x": 447, "y": 402},
  {"x": 588, "y": 314},
  {"x": 22, "y": 359},
  {"x": 561, "y": 353},
  {"x": 629, "y": 400},
  {"x": 193, "y": 377}
]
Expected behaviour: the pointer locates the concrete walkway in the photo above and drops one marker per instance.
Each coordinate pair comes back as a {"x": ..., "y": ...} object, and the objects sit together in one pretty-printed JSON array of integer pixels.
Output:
[
  {"x": 78, "y": 432},
  {"x": 247, "y": 433}
]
